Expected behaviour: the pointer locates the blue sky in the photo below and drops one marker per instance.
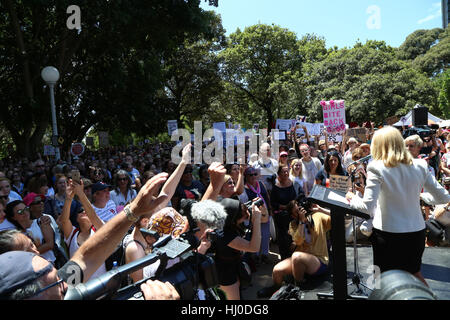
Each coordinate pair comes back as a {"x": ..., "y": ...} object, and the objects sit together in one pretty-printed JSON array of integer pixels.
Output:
[{"x": 340, "y": 22}]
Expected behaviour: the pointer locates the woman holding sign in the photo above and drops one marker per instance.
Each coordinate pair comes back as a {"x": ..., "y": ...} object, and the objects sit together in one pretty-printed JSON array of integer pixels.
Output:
[{"x": 332, "y": 166}]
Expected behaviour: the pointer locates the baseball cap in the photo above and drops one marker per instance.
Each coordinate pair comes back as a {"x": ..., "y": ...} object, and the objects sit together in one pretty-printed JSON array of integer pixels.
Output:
[
  {"x": 16, "y": 271},
  {"x": 283, "y": 153},
  {"x": 31, "y": 197},
  {"x": 99, "y": 186}
]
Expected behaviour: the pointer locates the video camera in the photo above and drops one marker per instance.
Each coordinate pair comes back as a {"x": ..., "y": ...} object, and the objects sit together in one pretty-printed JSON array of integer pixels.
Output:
[
  {"x": 421, "y": 131},
  {"x": 194, "y": 271}
]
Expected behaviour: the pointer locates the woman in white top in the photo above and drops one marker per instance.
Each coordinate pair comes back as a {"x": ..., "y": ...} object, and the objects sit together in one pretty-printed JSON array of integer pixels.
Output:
[
  {"x": 87, "y": 219},
  {"x": 39, "y": 230},
  {"x": 296, "y": 177},
  {"x": 122, "y": 193},
  {"x": 392, "y": 196}
]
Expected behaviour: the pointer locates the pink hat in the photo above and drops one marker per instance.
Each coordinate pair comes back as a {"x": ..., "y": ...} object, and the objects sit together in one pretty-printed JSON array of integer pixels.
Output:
[
  {"x": 31, "y": 197},
  {"x": 283, "y": 153}
]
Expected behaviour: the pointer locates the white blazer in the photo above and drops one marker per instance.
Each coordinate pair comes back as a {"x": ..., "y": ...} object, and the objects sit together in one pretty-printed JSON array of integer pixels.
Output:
[{"x": 392, "y": 195}]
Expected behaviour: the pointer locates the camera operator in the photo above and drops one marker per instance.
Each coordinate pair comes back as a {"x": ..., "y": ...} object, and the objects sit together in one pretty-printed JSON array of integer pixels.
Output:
[
  {"x": 230, "y": 243},
  {"x": 28, "y": 276},
  {"x": 431, "y": 150},
  {"x": 308, "y": 229}
]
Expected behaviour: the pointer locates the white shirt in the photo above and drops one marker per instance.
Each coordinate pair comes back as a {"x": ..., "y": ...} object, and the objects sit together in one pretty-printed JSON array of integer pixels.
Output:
[
  {"x": 6, "y": 225},
  {"x": 118, "y": 198},
  {"x": 73, "y": 247},
  {"x": 392, "y": 195},
  {"x": 106, "y": 213},
  {"x": 13, "y": 196},
  {"x": 35, "y": 232},
  {"x": 309, "y": 171}
]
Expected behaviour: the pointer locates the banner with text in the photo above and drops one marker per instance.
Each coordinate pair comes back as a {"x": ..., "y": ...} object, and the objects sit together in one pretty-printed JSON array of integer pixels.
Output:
[{"x": 334, "y": 115}]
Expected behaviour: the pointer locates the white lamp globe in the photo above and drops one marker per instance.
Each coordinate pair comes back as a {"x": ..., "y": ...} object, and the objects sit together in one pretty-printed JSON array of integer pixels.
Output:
[{"x": 50, "y": 75}]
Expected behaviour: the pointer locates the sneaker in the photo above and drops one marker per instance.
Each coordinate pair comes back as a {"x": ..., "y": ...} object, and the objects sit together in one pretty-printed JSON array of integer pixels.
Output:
[
  {"x": 267, "y": 292},
  {"x": 366, "y": 227}
]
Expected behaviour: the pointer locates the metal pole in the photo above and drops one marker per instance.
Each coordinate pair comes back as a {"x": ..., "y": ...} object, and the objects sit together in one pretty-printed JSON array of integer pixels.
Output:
[{"x": 55, "y": 127}]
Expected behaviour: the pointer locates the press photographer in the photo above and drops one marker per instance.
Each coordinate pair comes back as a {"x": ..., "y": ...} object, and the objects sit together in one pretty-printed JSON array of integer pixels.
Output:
[
  {"x": 308, "y": 229},
  {"x": 230, "y": 244}
]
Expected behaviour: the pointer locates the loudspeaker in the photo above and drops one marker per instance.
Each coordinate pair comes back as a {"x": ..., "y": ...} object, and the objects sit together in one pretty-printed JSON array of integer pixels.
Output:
[{"x": 420, "y": 116}]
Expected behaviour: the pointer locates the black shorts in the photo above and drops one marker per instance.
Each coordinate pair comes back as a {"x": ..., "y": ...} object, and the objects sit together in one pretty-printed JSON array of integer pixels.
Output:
[
  {"x": 402, "y": 251},
  {"x": 227, "y": 272}
]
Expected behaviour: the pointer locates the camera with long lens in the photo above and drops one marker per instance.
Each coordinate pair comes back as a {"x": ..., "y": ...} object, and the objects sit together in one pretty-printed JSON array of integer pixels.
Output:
[{"x": 194, "y": 271}]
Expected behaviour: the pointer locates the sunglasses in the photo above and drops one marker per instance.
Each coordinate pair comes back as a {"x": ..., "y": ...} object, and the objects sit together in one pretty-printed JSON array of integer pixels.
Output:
[
  {"x": 37, "y": 202},
  {"x": 122, "y": 179},
  {"x": 54, "y": 284},
  {"x": 252, "y": 174},
  {"x": 4, "y": 197},
  {"x": 283, "y": 156},
  {"x": 22, "y": 211}
]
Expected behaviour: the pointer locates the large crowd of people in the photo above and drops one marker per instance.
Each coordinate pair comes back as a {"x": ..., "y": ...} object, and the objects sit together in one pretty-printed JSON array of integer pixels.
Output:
[{"x": 73, "y": 213}]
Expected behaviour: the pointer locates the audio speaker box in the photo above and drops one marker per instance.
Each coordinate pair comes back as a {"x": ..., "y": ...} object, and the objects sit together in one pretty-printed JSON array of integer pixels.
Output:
[{"x": 420, "y": 116}]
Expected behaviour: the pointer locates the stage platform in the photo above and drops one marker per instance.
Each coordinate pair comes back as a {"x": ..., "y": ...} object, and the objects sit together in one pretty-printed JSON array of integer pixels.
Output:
[{"x": 435, "y": 269}]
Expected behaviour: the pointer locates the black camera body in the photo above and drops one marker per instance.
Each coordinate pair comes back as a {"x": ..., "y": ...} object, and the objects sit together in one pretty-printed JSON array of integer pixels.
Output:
[
  {"x": 304, "y": 202},
  {"x": 421, "y": 131},
  {"x": 257, "y": 203}
]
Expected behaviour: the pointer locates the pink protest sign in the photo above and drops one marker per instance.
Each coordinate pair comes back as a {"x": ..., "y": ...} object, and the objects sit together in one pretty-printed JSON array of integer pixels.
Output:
[{"x": 333, "y": 115}]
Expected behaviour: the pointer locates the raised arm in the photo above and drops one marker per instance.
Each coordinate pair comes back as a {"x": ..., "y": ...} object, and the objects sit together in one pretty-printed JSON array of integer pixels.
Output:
[
  {"x": 64, "y": 219},
  {"x": 216, "y": 173},
  {"x": 95, "y": 220},
  {"x": 94, "y": 251},
  {"x": 239, "y": 188},
  {"x": 171, "y": 184}
]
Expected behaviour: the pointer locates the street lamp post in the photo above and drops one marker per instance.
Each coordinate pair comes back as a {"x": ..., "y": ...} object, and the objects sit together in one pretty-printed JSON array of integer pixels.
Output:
[{"x": 51, "y": 75}]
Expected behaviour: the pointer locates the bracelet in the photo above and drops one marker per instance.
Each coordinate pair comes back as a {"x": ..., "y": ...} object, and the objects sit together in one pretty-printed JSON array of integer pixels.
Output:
[{"x": 130, "y": 215}]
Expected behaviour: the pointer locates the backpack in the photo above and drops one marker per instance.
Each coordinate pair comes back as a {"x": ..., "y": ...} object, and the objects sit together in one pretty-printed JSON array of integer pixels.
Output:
[
  {"x": 436, "y": 232},
  {"x": 287, "y": 292}
]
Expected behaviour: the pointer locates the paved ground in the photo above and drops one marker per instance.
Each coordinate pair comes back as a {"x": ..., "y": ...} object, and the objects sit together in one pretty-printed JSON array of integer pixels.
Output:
[{"x": 435, "y": 269}]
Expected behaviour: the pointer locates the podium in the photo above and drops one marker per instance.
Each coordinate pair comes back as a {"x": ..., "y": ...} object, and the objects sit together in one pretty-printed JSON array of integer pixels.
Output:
[{"x": 339, "y": 207}]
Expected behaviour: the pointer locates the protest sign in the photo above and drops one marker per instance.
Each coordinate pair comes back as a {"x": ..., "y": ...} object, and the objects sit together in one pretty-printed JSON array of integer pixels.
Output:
[
  {"x": 334, "y": 115},
  {"x": 341, "y": 183},
  {"x": 103, "y": 139},
  {"x": 172, "y": 125},
  {"x": 358, "y": 133}
]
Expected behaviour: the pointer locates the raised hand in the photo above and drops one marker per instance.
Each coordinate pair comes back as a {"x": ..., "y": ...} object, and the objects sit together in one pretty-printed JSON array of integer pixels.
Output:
[{"x": 147, "y": 200}]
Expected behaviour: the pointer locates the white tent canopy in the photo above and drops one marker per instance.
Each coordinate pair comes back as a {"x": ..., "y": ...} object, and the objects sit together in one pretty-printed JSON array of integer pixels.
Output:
[{"x": 407, "y": 119}]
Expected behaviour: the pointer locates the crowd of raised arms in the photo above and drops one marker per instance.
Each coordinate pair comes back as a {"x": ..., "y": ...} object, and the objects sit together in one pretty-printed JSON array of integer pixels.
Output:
[{"x": 55, "y": 216}]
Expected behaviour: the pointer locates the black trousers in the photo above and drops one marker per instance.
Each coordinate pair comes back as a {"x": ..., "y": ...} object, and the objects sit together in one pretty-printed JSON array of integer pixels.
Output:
[{"x": 284, "y": 239}]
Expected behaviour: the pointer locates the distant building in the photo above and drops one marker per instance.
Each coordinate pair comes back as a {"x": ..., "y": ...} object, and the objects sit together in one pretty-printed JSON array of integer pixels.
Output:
[{"x": 445, "y": 13}]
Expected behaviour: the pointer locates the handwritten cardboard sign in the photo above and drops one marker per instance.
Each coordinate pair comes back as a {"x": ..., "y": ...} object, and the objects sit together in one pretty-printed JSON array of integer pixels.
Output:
[{"x": 341, "y": 183}]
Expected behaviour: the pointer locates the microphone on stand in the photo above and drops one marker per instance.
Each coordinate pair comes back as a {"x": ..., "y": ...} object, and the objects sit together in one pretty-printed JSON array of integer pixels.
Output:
[{"x": 365, "y": 159}]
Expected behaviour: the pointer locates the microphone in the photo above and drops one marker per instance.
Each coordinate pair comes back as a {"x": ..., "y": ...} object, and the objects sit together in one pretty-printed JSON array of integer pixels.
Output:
[{"x": 365, "y": 159}]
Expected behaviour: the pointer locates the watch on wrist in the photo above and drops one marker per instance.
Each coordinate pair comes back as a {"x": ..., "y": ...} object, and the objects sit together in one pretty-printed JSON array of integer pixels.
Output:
[{"x": 130, "y": 215}]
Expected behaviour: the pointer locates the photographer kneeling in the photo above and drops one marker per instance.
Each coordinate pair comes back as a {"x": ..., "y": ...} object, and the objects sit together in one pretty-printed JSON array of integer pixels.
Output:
[{"x": 308, "y": 229}]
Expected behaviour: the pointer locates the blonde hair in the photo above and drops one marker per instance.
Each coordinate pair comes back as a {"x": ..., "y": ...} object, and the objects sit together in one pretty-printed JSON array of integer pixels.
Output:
[
  {"x": 388, "y": 145},
  {"x": 292, "y": 173}
]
